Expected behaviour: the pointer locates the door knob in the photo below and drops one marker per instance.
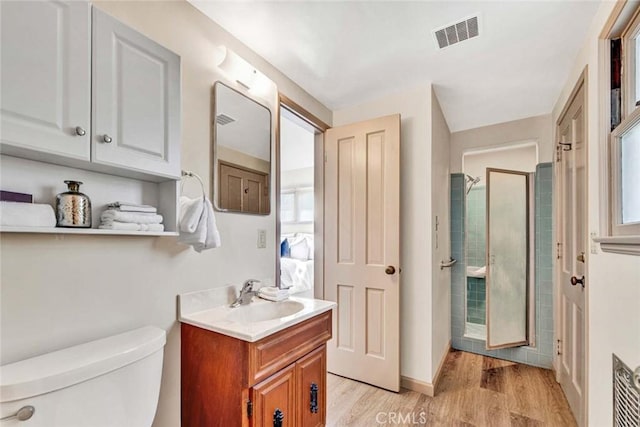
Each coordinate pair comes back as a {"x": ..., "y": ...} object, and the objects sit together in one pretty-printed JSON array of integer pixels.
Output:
[
  {"x": 106, "y": 138},
  {"x": 575, "y": 281},
  {"x": 80, "y": 131},
  {"x": 390, "y": 270}
]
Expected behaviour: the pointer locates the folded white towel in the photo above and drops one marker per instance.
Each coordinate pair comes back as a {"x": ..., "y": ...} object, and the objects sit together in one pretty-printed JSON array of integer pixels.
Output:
[
  {"x": 205, "y": 235},
  {"x": 272, "y": 298},
  {"x": 272, "y": 291},
  {"x": 131, "y": 226},
  {"x": 132, "y": 207},
  {"x": 26, "y": 215},
  {"x": 135, "y": 217},
  {"x": 190, "y": 213}
]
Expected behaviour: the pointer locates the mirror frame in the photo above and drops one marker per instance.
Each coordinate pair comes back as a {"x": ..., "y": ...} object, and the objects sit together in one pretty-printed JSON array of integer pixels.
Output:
[{"x": 214, "y": 179}]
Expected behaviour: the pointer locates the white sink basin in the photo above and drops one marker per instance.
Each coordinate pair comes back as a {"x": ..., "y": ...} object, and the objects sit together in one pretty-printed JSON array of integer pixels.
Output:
[
  {"x": 261, "y": 312},
  {"x": 250, "y": 322}
]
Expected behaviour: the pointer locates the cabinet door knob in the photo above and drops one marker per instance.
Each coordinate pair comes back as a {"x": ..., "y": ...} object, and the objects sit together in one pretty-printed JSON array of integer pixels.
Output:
[
  {"x": 80, "y": 131},
  {"x": 106, "y": 138},
  {"x": 390, "y": 270},
  {"x": 313, "y": 405},
  {"x": 278, "y": 418}
]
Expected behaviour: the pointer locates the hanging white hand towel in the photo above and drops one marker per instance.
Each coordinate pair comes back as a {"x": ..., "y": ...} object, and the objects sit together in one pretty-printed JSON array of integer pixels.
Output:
[
  {"x": 190, "y": 213},
  {"x": 205, "y": 235}
]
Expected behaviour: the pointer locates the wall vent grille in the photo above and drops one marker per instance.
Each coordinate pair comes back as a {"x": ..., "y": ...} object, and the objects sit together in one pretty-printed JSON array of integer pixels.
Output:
[
  {"x": 626, "y": 398},
  {"x": 223, "y": 119},
  {"x": 458, "y": 32}
]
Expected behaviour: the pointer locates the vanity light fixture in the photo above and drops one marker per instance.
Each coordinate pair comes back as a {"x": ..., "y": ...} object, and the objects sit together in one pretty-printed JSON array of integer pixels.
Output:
[{"x": 238, "y": 69}]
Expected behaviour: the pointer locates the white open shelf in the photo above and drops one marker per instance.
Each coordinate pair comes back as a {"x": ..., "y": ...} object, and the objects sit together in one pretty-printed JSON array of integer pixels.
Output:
[
  {"x": 60, "y": 230},
  {"x": 45, "y": 180}
]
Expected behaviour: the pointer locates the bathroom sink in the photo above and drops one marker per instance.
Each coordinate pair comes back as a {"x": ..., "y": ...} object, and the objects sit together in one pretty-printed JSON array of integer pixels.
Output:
[
  {"x": 263, "y": 311},
  {"x": 210, "y": 310}
]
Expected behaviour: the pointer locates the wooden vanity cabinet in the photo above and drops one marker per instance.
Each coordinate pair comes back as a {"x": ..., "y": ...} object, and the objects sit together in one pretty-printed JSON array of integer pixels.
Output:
[{"x": 279, "y": 380}]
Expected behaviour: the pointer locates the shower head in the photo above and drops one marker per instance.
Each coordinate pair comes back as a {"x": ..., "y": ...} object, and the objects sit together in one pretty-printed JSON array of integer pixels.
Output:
[{"x": 472, "y": 180}]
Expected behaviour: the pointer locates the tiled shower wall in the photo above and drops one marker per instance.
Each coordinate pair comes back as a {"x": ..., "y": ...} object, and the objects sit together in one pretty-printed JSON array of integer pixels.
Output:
[{"x": 541, "y": 354}]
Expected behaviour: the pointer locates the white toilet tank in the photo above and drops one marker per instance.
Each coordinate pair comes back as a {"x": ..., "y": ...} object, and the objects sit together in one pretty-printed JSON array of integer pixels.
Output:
[{"x": 112, "y": 382}]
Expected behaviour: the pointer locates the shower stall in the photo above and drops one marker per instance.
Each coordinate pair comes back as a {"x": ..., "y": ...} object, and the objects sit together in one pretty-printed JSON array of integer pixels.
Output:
[
  {"x": 498, "y": 252},
  {"x": 501, "y": 234}
]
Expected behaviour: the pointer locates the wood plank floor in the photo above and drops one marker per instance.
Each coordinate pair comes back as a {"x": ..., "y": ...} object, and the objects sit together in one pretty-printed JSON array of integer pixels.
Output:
[{"x": 474, "y": 390}]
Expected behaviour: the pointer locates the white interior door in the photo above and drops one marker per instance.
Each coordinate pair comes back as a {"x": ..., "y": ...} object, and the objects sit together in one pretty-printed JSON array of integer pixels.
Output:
[
  {"x": 362, "y": 251},
  {"x": 571, "y": 231}
]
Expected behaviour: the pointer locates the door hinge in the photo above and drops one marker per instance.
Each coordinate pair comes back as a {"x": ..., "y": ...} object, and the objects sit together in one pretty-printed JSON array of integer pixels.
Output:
[
  {"x": 559, "y": 347},
  {"x": 249, "y": 408},
  {"x": 558, "y": 154},
  {"x": 325, "y": 157},
  {"x": 558, "y": 250}
]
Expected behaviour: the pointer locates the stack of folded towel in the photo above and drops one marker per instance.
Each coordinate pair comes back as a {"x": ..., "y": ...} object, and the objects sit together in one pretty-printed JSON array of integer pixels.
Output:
[
  {"x": 272, "y": 293},
  {"x": 130, "y": 216}
]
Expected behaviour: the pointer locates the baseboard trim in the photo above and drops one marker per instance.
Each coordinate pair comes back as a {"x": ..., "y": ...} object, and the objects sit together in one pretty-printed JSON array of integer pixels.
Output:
[
  {"x": 424, "y": 387},
  {"x": 417, "y": 385}
]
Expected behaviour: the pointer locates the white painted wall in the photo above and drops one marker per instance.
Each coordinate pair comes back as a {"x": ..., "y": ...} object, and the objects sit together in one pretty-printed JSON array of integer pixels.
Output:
[
  {"x": 414, "y": 105},
  {"x": 613, "y": 281},
  {"x": 58, "y": 291},
  {"x": 441, "y": 242},
  {"x": 538, "y": 128},
  {"x": 519, "y": 158}
]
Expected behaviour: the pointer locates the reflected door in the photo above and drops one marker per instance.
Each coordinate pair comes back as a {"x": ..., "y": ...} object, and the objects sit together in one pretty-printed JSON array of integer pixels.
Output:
[
  {"x": 362, "y": 250},
  {"x": 572, "y": 235},
  {"x": 508, "y": 256}
]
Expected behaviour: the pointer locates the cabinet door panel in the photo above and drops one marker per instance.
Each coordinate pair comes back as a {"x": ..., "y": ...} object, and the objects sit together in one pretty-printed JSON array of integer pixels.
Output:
[
  {"x": 45, "y": 83},
  {"x": 136, "y": 100},
  {"x": 311, "y": 386},
  {"x": 275, "y": 393}
]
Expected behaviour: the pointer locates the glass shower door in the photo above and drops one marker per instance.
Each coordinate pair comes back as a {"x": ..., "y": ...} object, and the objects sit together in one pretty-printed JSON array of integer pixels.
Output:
[{"x": 507, "y": 258}]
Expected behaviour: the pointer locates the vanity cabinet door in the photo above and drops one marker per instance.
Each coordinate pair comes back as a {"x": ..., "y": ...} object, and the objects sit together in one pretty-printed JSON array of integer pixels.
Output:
[
  {"x": 274, "y": 402},
  {"x": 136, "y": 100},
  {"x": 311, "y": 385},
  {"x": 45, "y": 78}
]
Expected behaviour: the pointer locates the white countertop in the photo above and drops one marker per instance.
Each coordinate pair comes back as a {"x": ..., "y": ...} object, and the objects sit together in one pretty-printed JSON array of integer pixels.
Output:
[{"x": 217, "y": 317}]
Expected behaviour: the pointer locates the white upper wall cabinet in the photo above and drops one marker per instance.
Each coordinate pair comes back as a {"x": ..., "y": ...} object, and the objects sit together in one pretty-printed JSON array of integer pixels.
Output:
[
  {"x": 136, "y": 100},
  {"x": 46, "y": 92}
]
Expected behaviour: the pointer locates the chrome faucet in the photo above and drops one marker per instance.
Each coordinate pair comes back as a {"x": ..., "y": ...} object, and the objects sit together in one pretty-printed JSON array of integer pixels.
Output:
[{"x": 246, "y": 293}]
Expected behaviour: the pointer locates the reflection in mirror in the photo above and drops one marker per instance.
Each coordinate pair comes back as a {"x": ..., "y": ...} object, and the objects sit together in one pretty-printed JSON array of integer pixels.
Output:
[{"x": 241, "y": 153}]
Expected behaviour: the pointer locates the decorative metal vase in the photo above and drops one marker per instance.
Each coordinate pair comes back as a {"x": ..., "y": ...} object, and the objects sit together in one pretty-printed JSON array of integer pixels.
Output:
[{"x": 73, "y": 209}]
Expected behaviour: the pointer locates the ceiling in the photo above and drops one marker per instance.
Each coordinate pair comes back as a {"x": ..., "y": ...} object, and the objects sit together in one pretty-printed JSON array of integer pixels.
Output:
[{"x": 345, "y": 53}]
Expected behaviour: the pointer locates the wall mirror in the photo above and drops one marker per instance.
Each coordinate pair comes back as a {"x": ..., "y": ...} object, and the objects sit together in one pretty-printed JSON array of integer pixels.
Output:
[{"x": 241, "y": 153}]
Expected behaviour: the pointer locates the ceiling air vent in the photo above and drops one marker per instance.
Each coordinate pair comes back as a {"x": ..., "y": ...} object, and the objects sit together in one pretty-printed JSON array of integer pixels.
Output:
[
  {"x": 458, "y": 32},
  {"x": 223, "y": 119}
]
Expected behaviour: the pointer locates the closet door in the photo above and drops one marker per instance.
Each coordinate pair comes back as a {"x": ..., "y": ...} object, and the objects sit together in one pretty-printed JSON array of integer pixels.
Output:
[
  {"x": 136, "y": 100},
  {"x": 45, "y": 84}
]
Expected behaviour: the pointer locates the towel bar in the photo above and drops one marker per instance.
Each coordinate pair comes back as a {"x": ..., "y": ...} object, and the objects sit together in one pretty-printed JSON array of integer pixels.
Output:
[{"x": 192, "y": 175}]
